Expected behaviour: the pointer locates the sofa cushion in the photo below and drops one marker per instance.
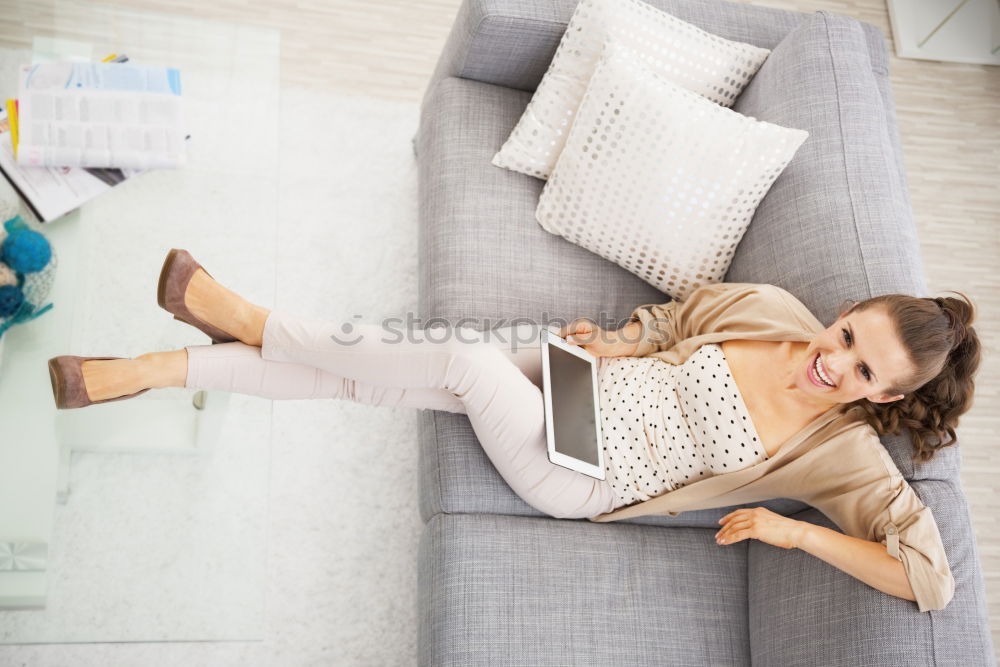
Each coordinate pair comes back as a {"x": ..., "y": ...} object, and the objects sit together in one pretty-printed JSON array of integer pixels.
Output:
[
  {"x": 793, "y": 594},
  {"x": 519, "y": 591},
  {"x": 481, "y": 252},
  {"x": 659, "y": 179},
  {"x": 678, "y": 51}
]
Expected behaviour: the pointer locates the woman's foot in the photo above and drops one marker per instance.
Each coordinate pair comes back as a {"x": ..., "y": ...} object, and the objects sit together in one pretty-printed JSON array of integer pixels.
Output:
[
  {"x": 224, "y": 309},
  {"x": 111, "y": 378}
]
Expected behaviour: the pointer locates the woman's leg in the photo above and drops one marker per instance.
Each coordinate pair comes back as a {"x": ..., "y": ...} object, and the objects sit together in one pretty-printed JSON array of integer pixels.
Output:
[
  {"x": 485, "y": 375},
  {"x": 237, "y": 367},
  {"x": 498, "y": 383}
]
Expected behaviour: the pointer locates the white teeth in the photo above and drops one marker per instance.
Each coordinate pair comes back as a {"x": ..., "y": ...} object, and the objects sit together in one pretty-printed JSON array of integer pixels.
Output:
[{"x": 819, "y": 371}]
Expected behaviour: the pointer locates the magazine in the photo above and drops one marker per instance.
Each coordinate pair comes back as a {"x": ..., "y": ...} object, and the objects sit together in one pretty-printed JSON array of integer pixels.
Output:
[
  {"x": 117, "y": 115},
  {"x": 51, "y": 192}
]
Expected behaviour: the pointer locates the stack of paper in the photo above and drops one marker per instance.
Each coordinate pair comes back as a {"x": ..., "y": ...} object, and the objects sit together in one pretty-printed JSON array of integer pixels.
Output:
[{"x": 71, "y": 114}]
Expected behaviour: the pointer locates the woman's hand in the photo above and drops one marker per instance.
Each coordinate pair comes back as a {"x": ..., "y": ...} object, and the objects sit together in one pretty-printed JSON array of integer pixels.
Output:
[
  {"x": 761, "y": 524},
  {"x": 600, "y": 343}
]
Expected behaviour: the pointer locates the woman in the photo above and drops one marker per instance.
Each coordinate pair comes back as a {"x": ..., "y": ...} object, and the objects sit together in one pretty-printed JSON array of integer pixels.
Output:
[{"x": 757, "y": 400}]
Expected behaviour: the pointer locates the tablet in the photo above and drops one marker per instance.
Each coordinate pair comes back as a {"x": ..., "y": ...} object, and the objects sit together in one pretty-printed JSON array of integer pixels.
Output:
[{"x": 572, "y": 406}]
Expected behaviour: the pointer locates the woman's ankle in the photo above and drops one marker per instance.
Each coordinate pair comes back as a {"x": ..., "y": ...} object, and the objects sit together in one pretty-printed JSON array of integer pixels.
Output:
[
  {"x": 164, "y": 369},
  {"x": 253, "y": 326}
]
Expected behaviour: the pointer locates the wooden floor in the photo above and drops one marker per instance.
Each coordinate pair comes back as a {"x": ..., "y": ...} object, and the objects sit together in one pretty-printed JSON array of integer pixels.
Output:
[{"x": 949, "y": 116}]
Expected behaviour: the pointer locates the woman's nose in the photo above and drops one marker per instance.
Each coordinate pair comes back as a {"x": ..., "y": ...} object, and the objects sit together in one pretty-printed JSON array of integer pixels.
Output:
[{"x": 838, "y": 363}]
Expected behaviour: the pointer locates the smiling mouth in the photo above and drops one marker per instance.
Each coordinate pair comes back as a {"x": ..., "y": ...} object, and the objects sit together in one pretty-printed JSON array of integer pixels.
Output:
[{"x": 815, "y": 376}]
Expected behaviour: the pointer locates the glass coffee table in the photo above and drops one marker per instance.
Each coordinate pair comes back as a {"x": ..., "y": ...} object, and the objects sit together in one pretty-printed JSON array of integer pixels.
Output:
[{"x": 143, "y": 520}]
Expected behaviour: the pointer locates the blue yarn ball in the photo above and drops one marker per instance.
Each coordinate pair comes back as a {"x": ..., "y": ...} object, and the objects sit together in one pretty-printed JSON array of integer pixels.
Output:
[
  {"x": 25, "y": 251},
  {"x": 11, "y": 298}
]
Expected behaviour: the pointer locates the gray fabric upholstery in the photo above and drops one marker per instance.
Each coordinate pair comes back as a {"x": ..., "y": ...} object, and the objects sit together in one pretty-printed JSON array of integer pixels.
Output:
[
  {"x": 843, "y": 621},
  {"x": 502, "y": 590},
  {"x": 499, "y": 582}
]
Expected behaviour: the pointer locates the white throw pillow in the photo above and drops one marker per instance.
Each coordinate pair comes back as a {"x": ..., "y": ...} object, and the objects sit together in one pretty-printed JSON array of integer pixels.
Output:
[
  {"x": 681, "y": 52},
  {"x": 658, "y": 179}
]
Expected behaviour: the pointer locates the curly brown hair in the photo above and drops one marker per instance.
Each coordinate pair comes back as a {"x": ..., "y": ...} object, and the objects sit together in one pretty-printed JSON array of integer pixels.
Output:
[{"x": 945, "y": 350}]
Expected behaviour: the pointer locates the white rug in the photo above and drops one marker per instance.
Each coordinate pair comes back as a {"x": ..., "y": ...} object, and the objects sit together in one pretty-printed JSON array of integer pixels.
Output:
[{"x": 342, "y": 521}]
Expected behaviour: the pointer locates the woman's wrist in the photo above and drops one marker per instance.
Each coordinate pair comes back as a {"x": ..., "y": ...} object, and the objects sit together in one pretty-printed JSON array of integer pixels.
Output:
[{"x": 629, "y": 336}]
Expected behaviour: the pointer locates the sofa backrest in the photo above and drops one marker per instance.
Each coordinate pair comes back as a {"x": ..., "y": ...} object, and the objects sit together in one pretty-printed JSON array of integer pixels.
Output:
[{"x": 511, "y": 42}]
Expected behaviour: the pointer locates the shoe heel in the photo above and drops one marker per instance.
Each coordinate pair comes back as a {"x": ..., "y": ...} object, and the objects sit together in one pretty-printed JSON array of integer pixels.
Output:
[{"x": 161, "y": 285}]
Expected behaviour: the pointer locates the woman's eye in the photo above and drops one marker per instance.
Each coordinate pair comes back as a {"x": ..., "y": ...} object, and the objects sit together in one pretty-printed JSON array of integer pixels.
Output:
[{"x": 847, "y": 339}]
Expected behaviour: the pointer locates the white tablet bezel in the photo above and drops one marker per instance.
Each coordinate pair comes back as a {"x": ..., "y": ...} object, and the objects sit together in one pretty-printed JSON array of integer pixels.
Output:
[{"x": 547, "y": 338}]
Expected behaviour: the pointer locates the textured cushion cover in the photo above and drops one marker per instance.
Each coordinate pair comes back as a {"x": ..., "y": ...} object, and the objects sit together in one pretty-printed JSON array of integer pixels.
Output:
[
  {"x": 658, "y": 179},
  {"x": 798, "y": 595},
  {"x": 501, "y": 590},
  {"x": 699, "y": 61}
]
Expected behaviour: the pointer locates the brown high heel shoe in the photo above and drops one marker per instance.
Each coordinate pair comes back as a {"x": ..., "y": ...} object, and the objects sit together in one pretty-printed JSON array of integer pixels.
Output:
[
  {"x": 67, "y": 382},
  {"x": 178, "y": 267}
]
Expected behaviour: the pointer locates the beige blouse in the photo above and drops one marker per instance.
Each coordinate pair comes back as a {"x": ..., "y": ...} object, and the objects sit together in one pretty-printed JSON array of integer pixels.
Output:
[{"x": 836, "y": 463}]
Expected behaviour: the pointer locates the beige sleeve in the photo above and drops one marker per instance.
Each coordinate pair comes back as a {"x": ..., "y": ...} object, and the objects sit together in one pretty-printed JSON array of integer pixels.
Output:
[
  {"x": 709, "y": 309},
  {"x": 871, "y": 500}
]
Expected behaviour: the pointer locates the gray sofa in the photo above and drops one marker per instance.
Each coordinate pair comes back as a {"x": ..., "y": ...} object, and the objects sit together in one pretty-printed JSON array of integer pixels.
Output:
[{"x": 501, "y": 583}]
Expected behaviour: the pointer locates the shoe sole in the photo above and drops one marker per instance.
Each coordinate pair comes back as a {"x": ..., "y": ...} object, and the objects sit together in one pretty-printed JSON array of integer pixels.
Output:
[
  {"x": 161, "y": 285},
  {"x": 56, "y": 378}
]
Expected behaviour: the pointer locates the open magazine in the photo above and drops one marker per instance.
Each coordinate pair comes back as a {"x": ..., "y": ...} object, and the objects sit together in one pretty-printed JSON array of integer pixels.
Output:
[
  {"x": 76, "y": 114},
  {"x": 51, "y": 192}
]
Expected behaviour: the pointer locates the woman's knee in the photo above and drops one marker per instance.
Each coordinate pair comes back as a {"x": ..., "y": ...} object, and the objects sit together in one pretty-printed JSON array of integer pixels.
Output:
[
  {"x": 591, "y": 498},
  {"x": 479, "y": 363}
]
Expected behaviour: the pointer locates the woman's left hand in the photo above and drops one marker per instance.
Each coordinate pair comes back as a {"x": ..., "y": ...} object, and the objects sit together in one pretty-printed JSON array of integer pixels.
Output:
[{"x": 761, "y": 524}]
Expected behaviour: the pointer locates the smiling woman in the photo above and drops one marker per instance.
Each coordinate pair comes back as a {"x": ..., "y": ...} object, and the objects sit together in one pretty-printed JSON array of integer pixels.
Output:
[
  {"x": 894, "y": 360},
  {"x": 800, "y": 380},
  {"x": 907, "y": 361}
]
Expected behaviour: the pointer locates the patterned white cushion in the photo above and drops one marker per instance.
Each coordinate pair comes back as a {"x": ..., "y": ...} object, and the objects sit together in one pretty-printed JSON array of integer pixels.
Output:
[
  {"x": 681, "y": 52},
  {"x": 658, "y": 179}
]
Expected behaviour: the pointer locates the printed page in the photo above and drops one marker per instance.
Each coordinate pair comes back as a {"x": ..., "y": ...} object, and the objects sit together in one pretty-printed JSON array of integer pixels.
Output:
[
  {"x": 100, "y": 115},
  {"x": 50, "y": 192}
]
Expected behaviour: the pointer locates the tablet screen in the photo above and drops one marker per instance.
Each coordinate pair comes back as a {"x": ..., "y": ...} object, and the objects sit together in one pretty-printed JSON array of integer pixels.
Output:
[{"x": 573, "y": 418}]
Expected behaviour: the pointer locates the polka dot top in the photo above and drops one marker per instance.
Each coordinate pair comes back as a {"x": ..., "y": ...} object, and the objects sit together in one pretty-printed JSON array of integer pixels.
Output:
[{"x": 665, "y": 426}]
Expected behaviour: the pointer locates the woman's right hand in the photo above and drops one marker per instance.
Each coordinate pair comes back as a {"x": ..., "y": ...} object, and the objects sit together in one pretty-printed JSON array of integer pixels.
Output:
[{"x": 600, "y": 343}]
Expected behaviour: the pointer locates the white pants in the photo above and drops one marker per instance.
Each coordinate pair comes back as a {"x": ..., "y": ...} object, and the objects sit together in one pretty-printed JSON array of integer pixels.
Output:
[{"x": 493, "y": 376}]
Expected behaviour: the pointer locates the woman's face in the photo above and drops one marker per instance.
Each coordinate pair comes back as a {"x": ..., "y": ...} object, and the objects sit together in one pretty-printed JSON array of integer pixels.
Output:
[{"x": 860, "y": 353}]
